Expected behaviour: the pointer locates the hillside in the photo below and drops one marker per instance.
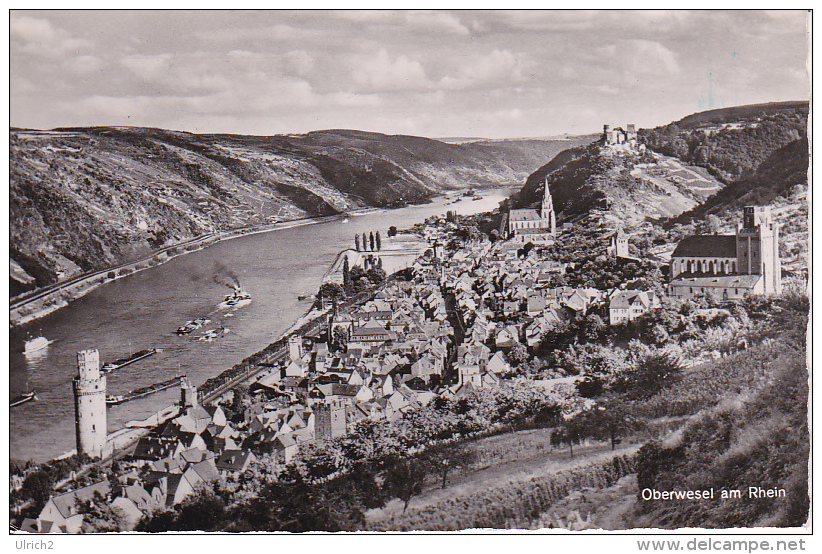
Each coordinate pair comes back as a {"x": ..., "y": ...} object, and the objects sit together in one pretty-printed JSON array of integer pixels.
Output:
[
  {"x": 632, "y": 186},
  {"x": 731, "y": 143},
  {"x": 87, "y": 198},
  {"x": 738, "y": 114},
  {"x": 776, "y": 176},
  {"x": 759, "y": 151}
]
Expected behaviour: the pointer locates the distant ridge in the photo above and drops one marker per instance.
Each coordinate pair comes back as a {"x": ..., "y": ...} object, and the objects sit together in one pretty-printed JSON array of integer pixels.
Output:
[
  {"x": 739, "y": 113},
  {"x": 84, "y": 198}
]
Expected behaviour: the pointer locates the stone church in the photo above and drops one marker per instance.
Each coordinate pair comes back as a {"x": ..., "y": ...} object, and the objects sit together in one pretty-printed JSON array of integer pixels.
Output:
[
  {"x": 730, "y": 266},
  {"x": 529, "y": 225}
]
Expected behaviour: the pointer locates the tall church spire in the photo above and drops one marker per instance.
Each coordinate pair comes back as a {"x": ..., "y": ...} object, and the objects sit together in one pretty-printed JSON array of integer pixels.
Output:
[{"x": 547, "y": 216}]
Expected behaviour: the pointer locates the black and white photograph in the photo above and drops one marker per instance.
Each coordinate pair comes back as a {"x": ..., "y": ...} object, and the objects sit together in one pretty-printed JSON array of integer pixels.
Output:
[{"x": 496, "y": 272}]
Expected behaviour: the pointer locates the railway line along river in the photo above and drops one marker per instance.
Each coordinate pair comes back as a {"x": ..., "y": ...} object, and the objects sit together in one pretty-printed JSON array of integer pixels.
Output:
[{"x": 145, "y": 309}]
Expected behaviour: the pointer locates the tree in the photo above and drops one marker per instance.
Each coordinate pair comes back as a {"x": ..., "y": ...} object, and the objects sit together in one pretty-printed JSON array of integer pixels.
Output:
[
  {"x": 339, "y": 337},
  {"x": 346, "y": 277},
  {"x": 359, "y": 279},
  {"x": 372, "y": 241},
  {"x": 37, "y": 486},
  {"x": 593, "y": 327},
  {"x": 364, "y": 242},
  {"x": 331, "y": 290},
  {"x": 379, "y": 242},
  {"x": 654, "y": 372},
  {"x": 203, "y": 510},
  {"x": 609, "y": 420},
  {"x": 404, "y": 480},
  {"x": 714, "y": 224},
  {"x": 392, "y": 231},
  {"x": 238, "y": 401},
  {"x": 442, "y": 460},
  {"x": 518, "y": 355},
  {"x": 357, "y": 242},
  {"x": 375, "y": 275}
]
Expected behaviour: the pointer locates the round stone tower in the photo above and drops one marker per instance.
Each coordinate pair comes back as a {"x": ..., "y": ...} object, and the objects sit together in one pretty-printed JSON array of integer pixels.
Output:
[{"x": 90, "y": 404}]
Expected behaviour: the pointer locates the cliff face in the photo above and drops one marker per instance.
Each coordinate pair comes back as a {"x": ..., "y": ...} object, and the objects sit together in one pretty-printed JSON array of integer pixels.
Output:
[{"x": 87, "y": 198}]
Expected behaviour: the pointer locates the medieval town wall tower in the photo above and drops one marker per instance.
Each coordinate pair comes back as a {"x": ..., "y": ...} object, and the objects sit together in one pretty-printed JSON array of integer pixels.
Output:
[{"x": 90, "y": 404}]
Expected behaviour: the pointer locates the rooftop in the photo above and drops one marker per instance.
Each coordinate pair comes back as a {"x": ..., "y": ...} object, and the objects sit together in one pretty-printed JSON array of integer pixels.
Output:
[
  {"x": 706, "y": 246},
  {"x": 524, "y": 215}
]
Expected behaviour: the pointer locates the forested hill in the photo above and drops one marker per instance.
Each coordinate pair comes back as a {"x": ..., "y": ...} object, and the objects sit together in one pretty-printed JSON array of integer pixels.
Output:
[
  {"x": 87, "y": 198},
  {"x": 776, "y": 176},
  {"x": 731, "y": 143},
  {"x": 632, "y": 186},
  {"x": 757, "y": 150}
]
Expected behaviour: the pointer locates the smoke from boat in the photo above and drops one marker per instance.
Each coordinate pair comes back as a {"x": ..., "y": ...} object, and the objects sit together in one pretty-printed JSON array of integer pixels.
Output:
[{"x": 224, "y": 276}]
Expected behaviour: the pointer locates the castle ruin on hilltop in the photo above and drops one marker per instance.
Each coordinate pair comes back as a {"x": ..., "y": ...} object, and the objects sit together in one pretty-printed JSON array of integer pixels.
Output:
[{"x": 619, "y": 135}]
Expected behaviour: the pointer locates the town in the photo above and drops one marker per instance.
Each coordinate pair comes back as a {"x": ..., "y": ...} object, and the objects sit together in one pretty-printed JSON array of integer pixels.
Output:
[{"x": 508, "y": 312}]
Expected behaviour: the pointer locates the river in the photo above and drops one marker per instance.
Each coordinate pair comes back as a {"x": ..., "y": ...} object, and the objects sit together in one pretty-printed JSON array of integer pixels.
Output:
[{"x": 144, "y": 310}]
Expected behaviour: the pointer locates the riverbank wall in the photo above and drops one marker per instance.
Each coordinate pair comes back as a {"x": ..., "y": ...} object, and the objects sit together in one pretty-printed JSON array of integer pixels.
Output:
[{"x": 397, "y": 253}]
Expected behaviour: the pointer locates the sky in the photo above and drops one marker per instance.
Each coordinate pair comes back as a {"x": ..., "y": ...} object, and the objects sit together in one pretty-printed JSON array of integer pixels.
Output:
[{"x": 430, "y": 73}]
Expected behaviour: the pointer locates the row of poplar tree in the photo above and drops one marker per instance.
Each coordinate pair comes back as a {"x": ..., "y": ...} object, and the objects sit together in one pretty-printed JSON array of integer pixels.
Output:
[{"x": 374, "y": 240}]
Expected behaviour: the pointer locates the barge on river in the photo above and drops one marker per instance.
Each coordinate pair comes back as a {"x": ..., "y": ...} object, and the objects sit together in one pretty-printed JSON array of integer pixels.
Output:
[
  {"x": 122, "y": 362},
  {"x": 145, "y": 391}
]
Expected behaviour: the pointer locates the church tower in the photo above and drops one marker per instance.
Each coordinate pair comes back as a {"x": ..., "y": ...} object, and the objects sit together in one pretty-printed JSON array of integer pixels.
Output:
[
  {"x": 547, "y": 216},
  {"x": 90, "y": 404},
  {"x": 757, "y": 247}
]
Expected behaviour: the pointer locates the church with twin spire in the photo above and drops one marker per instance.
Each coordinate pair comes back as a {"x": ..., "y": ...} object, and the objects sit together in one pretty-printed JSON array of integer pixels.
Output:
[{"x": 530, "y": 225}]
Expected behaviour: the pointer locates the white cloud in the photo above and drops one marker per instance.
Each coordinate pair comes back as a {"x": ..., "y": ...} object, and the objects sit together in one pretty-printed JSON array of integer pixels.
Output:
[
  {"x": 444, "y": 72},
  {"x": 426, "y": 20},
  {"x": 34, "y": 36},
  {"x": 149, "y": 67},
  {"x": 301, "y": 62},
  {"x": 350, "y": 99},
  {"x": 501, "y": 67},
  {"x": 637, "y": 58},
  {"x": 279, "y": 32},
  {"x": 84, "y": 64},
  {"x": 436, "y": 21},
  {"x": 381, "y": 72}
]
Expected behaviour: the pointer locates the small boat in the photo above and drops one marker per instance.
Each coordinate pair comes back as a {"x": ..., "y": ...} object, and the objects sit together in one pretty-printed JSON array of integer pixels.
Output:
[
  {"x": 302, "y": 296},
  {"x": 36, "y": 344},
  {"x": 236, "y": 299},
  {"x": 141, "y": 392},
  {"x": 192, "y": 325},
  {"x": 22, "y": 399},
  {"x": 212, "y": 334},
  {"x": 137, "y": 356}
]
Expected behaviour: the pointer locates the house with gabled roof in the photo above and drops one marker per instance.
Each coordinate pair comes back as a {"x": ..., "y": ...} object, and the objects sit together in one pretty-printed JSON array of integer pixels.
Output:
[
  {"x": 507, "y": 337},
  {"x": 285, "y": 447},
  {"x": 153, "y": 448},
  {"x": 498, "y": 364},
  {"x": 128, "y": 511},
  {"x": 232, "y": 463},
  {"x": 535, "y": 305},
  {"x": 630, "y": 304},
  {"x": 60, "y": 514},
  {"x": 489, "y": 380}
]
